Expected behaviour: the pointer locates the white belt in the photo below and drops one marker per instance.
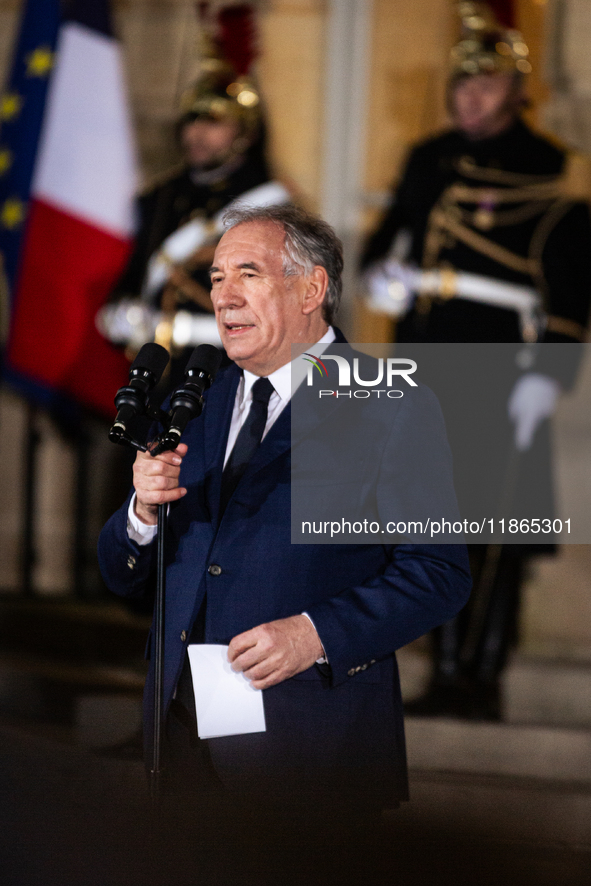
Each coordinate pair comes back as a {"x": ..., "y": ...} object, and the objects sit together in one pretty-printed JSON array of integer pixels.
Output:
[{"x": 393, "y": 287}]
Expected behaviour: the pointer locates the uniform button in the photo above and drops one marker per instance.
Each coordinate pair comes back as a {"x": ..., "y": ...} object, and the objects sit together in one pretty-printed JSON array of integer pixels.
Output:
[
  {"x": 214, "y": 569},
  {"x": 373, "y": 661},
  {"x": 131, "y": 561},
  {"x": 357, "y": 669},
  {"x": 351, "y": 673},
  {"x": 364, "y": 667},
  {"x": 183, "y": 636}
]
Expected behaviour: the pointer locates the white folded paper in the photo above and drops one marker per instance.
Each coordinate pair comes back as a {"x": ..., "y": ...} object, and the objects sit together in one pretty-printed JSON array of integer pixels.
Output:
[{"x": 225, "y": 701}]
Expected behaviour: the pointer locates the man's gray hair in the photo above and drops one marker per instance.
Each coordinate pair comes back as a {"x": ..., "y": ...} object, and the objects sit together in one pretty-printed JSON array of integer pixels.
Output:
[{"x": 309, "y": 242}]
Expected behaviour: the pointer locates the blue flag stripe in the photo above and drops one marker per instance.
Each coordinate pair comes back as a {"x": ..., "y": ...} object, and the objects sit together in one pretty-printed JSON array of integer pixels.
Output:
[
  {"x": 23, "y": 102},
  {"x": 22, "y": 109}
]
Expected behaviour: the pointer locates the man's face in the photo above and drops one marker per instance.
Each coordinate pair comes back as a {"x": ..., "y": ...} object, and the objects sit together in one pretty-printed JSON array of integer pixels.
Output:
[
  {"x": 260, "y": 312},
  {"x": 484, "y": 105},
  {"x": 208, "y": 143}
]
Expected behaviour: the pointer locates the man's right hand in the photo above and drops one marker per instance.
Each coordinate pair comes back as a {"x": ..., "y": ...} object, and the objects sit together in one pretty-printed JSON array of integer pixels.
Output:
[{"x": 156, "y": 482}]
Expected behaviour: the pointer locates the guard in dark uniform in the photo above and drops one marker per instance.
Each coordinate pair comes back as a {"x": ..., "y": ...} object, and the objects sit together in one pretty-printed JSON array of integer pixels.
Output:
[
  {"x": 197, "y": 191},
  {"x": 486, "y": 240},
  {"x": 163, "y": 293}
]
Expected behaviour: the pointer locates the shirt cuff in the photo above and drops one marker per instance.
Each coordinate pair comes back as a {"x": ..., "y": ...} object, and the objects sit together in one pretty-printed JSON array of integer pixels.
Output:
[
  {"x": 324, "y": 659},
  {"x": 140, "y": 533}
]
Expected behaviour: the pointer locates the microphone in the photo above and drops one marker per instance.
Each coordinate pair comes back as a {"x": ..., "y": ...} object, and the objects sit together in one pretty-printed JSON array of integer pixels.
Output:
[
  {"x": 187, "y": 401},
  {"x": 131, "y": 400}
]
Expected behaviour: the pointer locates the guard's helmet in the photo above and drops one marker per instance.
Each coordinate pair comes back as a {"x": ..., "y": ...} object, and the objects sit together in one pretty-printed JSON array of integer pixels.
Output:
[
  {"x": 218, "y": 94},
  {"x": 486, "y": 46},
  {"x": 225, "y": 89}
]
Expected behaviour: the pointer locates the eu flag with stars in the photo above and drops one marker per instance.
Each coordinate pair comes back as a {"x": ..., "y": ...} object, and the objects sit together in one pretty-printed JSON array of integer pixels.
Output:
[
  {"x": 22, "y": 105},
  {"x": 67, "y": 182}
]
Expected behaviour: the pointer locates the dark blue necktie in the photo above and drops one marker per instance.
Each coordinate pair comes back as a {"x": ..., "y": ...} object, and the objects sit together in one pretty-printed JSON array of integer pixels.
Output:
[{"x": 248, "y": 439}]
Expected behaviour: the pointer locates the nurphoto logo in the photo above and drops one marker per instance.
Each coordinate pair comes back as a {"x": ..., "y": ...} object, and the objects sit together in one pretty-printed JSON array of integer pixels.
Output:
[{"x": 388, "y": 372}]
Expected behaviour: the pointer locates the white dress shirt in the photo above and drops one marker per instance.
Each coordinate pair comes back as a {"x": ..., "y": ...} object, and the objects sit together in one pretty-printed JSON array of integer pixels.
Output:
[{"x": 281, "y": 379}]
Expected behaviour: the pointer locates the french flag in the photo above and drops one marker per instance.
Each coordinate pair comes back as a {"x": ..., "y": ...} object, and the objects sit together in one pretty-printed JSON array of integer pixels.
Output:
[{"x": 78, "y": 219}]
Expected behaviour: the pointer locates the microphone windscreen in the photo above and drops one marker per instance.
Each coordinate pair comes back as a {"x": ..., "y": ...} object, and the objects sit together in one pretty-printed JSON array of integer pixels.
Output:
[
  {"x": 206, "y": 358},
  {"x": 152, "y": 357}
]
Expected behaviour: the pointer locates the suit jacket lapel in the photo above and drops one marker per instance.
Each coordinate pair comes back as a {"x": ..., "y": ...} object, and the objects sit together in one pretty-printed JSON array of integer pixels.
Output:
[
  {"x": 276, "y": 443},
  {"x": 217, "y": 417},
  {"x": 309, "y": 410}
]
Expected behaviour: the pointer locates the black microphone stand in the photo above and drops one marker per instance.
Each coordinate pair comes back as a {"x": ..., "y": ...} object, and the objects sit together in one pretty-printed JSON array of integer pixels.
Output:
[
  {"x": 186, "y": 403},
  {"x": 124, "y": 438},
  {"x": 155, "y": 771}
]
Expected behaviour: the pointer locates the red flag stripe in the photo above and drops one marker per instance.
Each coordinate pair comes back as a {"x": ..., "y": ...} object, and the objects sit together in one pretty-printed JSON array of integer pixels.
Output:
[{"x": 68, "y": 266}]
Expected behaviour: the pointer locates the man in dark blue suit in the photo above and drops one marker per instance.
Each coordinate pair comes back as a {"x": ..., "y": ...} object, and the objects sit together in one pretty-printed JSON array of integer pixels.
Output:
[{"x": 314, "y": 626}]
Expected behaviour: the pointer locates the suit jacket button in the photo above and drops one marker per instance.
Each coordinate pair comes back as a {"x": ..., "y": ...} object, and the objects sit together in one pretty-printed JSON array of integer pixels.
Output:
[
  {"x": 183, "y": 636},
  {"x": 351, "y": 673},
  {"x": 214, "y": 569}
]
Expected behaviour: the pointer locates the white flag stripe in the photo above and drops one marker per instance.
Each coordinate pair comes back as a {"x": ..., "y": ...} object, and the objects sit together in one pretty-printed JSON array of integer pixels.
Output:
[{"x": 86, "y": 164}]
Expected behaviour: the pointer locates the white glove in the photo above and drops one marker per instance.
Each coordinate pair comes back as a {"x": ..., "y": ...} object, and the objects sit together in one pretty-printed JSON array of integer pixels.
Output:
[
  {"x": 128, "y": 321},
  {"x": 532, "y": 399},
  {"x": 390, "y": 285}
]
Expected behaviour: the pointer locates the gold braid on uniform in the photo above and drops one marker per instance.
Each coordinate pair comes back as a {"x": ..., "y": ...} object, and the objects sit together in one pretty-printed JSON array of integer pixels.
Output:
[
  {"x": 546, "y": 196},
  {"x": 442, "y": 222},
  {"x": 469, "y": 194},
  {"x": 468, "y": 168},
  {"x": 534, "y": 201},
  {"x": 540, "y": 236}
]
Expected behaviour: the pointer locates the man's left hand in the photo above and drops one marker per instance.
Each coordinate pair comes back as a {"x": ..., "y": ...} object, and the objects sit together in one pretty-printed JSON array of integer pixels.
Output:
[{"x": 273, "y": 652}]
